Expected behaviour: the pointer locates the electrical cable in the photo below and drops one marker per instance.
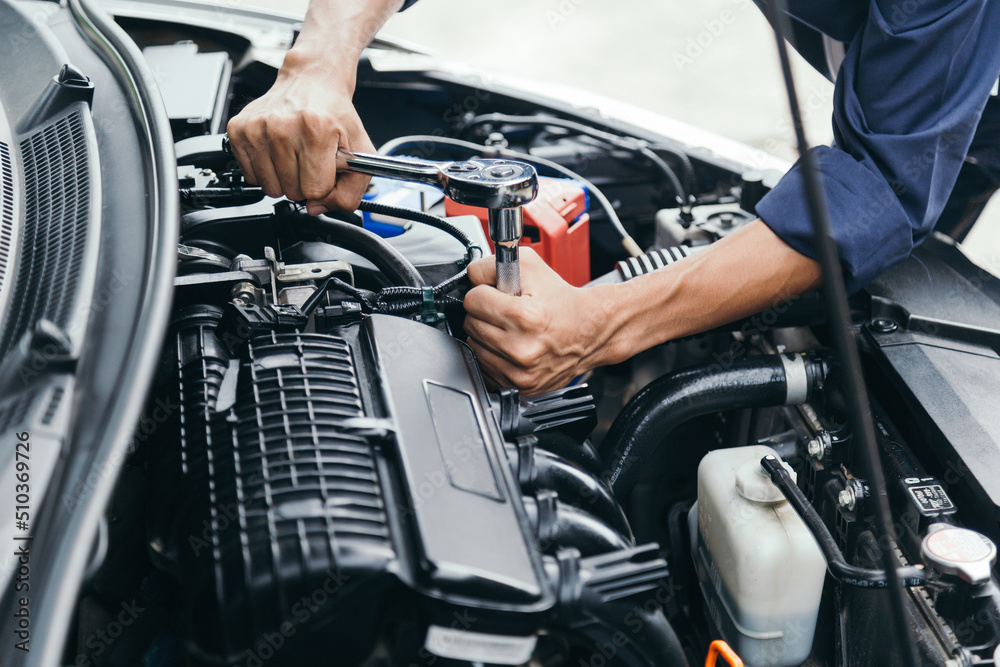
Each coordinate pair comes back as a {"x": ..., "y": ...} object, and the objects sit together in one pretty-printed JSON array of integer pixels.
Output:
[
  {"x": 685, "y": 161},
  {"x": 835, "y": 295},
  {"x": 631, "y": 144},
  {"x": 839, "y": 567},
  {"x": 631, "y": 247},
  {"x": 409, "y": 305},
  {"x": 426, "y": 218},
  {"x": 440, "y": 289}
]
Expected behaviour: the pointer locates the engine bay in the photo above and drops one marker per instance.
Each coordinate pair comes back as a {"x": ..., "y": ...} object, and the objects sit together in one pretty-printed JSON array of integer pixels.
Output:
[{"x": 323, "y": 475}]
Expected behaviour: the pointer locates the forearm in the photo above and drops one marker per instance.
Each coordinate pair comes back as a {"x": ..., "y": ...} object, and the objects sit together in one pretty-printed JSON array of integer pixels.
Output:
[
  {"x": 745, "y": 273},
  {"x": 333, "y": 35}
]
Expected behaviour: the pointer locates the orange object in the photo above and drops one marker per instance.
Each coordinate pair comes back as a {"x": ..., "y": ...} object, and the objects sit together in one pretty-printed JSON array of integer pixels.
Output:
[
  {"x": 556, "y": 226},
  {"x": 718, "y": 649}
]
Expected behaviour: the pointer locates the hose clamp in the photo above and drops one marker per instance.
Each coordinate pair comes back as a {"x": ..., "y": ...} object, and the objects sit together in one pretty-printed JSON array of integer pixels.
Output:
[{"x": 796, "y": 378}]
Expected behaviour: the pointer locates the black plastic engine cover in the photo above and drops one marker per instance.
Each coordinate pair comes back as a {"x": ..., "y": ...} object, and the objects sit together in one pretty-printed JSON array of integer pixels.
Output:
[
  {"x": 355, "y": 467},
  {"x": 935, "y": 333}
]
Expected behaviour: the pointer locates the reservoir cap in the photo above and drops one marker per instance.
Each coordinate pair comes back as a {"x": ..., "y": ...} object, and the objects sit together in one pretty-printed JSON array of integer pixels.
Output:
[
  {"x": 959, "y": 551},
  {"x": 753, "y": 483}
]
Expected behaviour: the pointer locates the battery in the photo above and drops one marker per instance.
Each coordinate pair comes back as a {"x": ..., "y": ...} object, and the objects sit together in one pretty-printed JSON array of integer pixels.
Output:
[{"x": 556, "y": 226}]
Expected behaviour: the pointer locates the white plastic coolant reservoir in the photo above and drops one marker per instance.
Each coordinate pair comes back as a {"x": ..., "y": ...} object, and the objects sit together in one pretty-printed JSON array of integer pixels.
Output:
[{"x": 760, "y": 569}]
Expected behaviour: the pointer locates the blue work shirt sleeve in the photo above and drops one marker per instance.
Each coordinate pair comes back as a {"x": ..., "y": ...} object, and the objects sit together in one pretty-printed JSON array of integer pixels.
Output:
[{"x": 907, "y": 101}]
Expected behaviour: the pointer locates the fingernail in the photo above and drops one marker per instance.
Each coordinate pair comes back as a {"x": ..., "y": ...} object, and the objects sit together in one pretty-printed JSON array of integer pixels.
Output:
[{"x": 316, "y": 209}]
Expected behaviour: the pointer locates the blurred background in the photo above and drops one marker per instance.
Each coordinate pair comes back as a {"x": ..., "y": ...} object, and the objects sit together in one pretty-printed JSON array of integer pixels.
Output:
[{"x": 709, "y": 63}]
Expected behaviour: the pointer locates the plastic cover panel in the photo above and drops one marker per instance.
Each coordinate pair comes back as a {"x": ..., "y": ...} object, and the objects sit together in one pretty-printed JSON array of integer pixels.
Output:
[
  {"x": 57, "y": 184},
  {"x": 471, "y": 537}
]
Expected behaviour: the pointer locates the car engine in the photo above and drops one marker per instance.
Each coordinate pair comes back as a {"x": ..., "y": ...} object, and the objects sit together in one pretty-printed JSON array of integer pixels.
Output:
[{"x": 323, "y": 476}]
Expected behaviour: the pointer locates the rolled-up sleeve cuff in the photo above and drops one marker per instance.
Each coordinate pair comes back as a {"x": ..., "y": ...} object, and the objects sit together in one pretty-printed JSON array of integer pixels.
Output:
[{"x": 869, "y": 225}]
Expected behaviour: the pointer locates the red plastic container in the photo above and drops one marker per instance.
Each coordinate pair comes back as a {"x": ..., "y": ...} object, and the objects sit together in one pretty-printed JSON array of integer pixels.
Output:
[{"x": 556, "y": 226}]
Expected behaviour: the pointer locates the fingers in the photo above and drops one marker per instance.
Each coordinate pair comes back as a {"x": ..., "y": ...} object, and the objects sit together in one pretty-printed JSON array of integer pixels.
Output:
[
  {"x": 289, "y": 147},
  {"x": 535, "y": 273},
  {"x": 492, "y": 365},
  {"x": 488, "y": 304},
  {"x": 286, "y": 165},
  {"x": 244, "y": 154},
  {"x": 267, "y": 175},
  {"x": 483, "y": 271},
  {"x": 487, "y": 335},
  {"x": 349, "y": 192}
]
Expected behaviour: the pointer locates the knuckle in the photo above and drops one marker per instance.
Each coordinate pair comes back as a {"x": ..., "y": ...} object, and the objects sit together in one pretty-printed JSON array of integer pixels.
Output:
[
  {"x": 527, "y": 353},
  {"x": 235, "y": 126},
  {"x": 317, "y": 125},
  {"x": 313, "y": 191},
  {"x": 255, "y": 128},
  {"x": 531, "y": 317},
  {"x": 280, "y": 129}
]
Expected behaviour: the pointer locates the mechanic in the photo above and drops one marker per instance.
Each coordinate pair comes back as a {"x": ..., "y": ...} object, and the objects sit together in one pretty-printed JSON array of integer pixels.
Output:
[{"x": 910, "y": 95}]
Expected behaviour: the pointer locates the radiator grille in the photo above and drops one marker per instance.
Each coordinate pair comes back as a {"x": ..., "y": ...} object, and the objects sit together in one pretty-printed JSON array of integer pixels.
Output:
[
  {"x": 6, "y": 210},
  {"x": 57, "y": 202}
]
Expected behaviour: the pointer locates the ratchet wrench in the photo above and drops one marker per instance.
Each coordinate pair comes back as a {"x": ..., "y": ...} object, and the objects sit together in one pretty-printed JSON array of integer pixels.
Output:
[{"x": 502, "y": 187}]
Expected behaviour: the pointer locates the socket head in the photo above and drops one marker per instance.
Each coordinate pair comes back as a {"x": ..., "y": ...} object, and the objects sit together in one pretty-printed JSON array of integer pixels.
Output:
[{"x": 489, "y": 183}]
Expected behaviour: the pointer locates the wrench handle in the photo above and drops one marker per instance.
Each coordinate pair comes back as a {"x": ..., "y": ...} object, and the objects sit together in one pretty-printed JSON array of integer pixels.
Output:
[{"x": 404, "y": 169}]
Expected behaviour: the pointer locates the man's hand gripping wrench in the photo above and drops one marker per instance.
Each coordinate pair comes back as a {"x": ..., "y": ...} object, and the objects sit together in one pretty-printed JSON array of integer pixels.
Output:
[{"x": 500, "y": 186}]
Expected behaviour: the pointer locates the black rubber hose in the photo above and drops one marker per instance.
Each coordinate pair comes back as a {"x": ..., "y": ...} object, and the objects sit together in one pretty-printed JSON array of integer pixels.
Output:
[
  {"x": 581, "y": 530},
  {"x": 372, "y": 247},
  {"x": 576, "y": 487},
  {"x": 559, "y": 526},
  {"x": 425, "y": 218},
  {"x": 580, "y": 452},
  {"x": 841, "y": 570},
  {"x": 614, "y": 603},
  {"x": 647, "y": 420}
]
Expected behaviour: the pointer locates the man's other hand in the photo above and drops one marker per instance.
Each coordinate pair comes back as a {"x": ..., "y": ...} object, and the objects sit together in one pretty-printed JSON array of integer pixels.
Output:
[
  {"x": 286, "y": 141},
  {"x": 537, "y": 341}
]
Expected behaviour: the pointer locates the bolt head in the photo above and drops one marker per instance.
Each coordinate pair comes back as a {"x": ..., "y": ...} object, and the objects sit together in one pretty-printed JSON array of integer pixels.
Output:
[
  {"x": 883, "y": 325},
  {"x": 815, "y": 448},
  {"x": 846, "y": 499}
]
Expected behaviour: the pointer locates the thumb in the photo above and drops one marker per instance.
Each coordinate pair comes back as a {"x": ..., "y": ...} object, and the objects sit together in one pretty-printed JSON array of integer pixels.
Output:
[{"x": 483, "y": 271}]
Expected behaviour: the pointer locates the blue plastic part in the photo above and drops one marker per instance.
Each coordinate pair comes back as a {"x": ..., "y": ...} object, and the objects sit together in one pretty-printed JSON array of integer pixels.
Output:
[
  {"x": 586, "y": 201},
  {"x": 383, "y": 229}
]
